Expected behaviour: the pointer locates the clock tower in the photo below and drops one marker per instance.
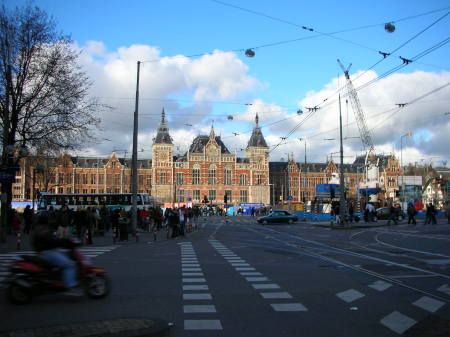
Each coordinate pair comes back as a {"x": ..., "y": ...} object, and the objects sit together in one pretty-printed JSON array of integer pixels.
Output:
[{"x": 162, "y": 162}]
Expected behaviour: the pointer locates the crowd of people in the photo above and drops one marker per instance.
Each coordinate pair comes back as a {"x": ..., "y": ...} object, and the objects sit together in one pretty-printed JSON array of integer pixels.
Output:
[{"x": 85, "y": 223}]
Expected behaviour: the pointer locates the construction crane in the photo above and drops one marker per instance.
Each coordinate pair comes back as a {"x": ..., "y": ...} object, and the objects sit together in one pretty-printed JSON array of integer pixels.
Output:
[{"x": 371, "y": 163}]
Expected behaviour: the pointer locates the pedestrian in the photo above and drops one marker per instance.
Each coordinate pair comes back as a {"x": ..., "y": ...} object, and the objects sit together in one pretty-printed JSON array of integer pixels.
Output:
[
  {"x": 351, "y": 212},
  {"x": 16, "y": 224},
  {"x": 411, "y": 210},
  {"x": 430, "y": 215},
  {"x": 337, "y": 217},
  {"x": 392, "y": 215},
  {"x": 447, "y": 210},
  {"x": 28, "y": 219},
  {"x": 182, "y": 216},
  {"x": 64, "y": 222},
  {"x": 79, "y": 222}
]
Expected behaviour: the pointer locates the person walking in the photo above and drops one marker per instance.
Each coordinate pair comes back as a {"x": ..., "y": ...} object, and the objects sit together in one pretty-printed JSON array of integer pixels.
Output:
[
  {"x": 411, "y": 214},
  {"x": 430, "y": 215},
  {"x": 64, "y": 222},
  {"x": 392, "y": 215},
  {"x": 351, "y": 211},
  {"x": 28, "y": 219}
]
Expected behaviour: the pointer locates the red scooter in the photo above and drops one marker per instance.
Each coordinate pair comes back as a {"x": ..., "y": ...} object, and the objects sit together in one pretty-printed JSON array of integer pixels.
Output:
[{"x": 32, "y": 276}]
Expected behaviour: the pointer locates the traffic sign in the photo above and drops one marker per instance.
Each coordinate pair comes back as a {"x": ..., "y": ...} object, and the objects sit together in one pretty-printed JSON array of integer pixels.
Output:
[{"x": 290, "y": 198}]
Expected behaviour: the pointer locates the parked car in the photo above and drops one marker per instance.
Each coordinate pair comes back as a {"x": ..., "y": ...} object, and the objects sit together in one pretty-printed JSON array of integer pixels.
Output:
[
  {"x": 278, "y": 217},
  {"x": 384, "y": 213}
]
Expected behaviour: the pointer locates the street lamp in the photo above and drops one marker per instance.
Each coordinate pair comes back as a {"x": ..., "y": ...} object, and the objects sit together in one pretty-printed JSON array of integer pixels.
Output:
[
  {"x": 304, "y": 176},
  {"x": 409, "y": 134}
]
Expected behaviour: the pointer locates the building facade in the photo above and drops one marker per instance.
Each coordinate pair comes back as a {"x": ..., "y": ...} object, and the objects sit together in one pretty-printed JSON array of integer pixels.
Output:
[{"x": 207, "y": 173}]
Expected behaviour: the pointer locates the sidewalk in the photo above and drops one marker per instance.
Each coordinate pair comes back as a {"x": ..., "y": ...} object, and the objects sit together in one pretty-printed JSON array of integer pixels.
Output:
[
  {"x": 107, "y": 240},
  {"x": 121, "y": 327}
]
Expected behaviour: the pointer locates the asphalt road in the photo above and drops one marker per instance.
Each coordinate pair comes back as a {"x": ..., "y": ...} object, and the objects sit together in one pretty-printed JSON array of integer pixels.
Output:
[{"x": 233, "y": 277}]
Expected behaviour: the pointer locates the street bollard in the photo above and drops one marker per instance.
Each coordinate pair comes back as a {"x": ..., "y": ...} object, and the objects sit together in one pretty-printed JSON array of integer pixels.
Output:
[{"x": 19, "y": 240}]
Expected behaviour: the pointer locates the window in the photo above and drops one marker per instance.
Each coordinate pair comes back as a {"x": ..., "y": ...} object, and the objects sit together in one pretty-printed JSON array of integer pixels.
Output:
[
  {"x": 84, "y": 178},
  {"x": 140, "y": 179},
  {"x": 196, "y": 176},
  {"x": 101, "y": 179},
  {"x": 259, "y": 179},
  {"x": 125, "y": 180},
  {"x": 69, "y": 178},
  {"x": 179, "y": 178},
  {"x": 117, "y": 179},
  {"x": 196, "y": 195},
  {"x": 61, "y": 178},
  {"x": 243, "y": 179},
  {"x": 212, "y": 195},
  {"x": 180, "y": 195},
  {"x": 109, "y": 179},
  {"x": 244, "y": 196},
  {"x": 228, "y": 194},
  {"x": 93, "y": 191},
  {"x": 212, "y": 176},
  {"x": 227, "y": 177},
  {"x": 93, "y": 179},
  {"x": 162, "y": 178}
]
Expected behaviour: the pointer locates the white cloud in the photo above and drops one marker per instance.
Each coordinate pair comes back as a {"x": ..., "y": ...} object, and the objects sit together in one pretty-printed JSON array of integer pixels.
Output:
[{"x": 216, "y": 76}]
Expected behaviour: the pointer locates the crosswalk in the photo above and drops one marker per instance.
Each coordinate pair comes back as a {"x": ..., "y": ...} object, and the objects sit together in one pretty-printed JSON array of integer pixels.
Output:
[{"x": 7, "y": 258}]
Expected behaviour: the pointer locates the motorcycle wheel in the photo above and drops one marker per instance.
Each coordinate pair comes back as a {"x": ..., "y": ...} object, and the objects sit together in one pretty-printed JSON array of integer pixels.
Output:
[
  {"x": 97, "y": 286},
  {"x": 18, "y": 294}
]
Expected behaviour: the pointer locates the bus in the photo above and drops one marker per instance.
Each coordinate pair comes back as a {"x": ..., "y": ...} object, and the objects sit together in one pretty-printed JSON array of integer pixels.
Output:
[{"x": 97, "y": 200}]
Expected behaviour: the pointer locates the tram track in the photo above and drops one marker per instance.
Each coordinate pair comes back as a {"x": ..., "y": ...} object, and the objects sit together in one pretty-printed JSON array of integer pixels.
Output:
[{"x": 309, "y": 247}]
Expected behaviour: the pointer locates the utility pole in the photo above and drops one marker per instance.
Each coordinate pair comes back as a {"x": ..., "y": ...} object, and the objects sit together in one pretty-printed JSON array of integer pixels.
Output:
[
  {"x": 134, "y": 158},
  {"x": 341, "y": 170}
]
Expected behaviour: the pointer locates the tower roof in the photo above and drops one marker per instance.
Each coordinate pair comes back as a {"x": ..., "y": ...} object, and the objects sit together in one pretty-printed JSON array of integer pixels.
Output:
[
  {"x": 162, "y": 136},
  {"x": 257, "y": 138}
]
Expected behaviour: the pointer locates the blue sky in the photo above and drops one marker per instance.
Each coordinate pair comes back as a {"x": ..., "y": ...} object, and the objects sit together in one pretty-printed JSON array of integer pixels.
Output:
[{"x": 279, "y": 80}]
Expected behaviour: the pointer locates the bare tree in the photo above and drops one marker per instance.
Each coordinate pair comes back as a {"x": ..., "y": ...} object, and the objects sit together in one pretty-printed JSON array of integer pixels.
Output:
[{"x": 44, "y": 99}]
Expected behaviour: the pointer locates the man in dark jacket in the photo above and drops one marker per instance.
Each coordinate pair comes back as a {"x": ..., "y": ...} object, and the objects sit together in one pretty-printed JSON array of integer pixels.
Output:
[{"x": 51, "y": 249}]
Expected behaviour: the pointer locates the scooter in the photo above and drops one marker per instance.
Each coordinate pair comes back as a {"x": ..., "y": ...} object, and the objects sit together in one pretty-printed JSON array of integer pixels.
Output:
[{"x": 32, "y": 276}]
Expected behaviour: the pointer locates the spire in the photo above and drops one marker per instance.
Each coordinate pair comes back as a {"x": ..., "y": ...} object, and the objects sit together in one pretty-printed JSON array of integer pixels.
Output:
[
  {"x": 257, "y": 138},
  {"x": 212, "y": 134},
  {"x": 162, "y": 136}
]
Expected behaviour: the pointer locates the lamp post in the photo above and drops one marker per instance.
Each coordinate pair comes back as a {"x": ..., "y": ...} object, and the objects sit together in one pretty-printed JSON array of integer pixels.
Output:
[
  {"x": 304, "y": 175},
  {"x": 134, "y": 156},
  {"x": 409, "y": 134}
]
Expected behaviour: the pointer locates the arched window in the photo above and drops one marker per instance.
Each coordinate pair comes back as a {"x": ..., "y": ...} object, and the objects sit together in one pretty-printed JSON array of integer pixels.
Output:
[
  {"x": 212, "y": 175},
  {"x": 227, "y": 176},
  {"x": 196, "y": 175}
]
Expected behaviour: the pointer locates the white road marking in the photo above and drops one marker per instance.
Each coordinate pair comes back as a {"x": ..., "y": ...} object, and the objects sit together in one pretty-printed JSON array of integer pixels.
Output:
[
  {"x": 188, "y": 309},
  {"x": 191, "y": 269},
  {"x": 244, "y": 268},
  {"x": 202, "y": 324},
  {"x": 192, "y": 274},
  {"x": 380, "y": 285},
  {"x": 256, "y": 279},
  {"x": 188, "y": 297},
  {"x": 350, "y": 295},
  {"x": 250, "y": 273},
  {"x": 429, "y": 304},
  {"x": 193, "y": 280},
  {"x": 276, "y": 295},
  {"x": 196, "y": 287},
  {"x": 266, "y": 286},
  {"x": 398, "y": 322},
  {"x": 288, "y": 307}
]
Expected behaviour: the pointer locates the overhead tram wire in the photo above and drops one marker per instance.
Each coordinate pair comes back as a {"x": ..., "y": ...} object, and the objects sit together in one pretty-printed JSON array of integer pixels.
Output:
[
  {"x": 411, "y": 102},
  {"x": 392, "y": 110},
  {"x": 378, "y": 62}
]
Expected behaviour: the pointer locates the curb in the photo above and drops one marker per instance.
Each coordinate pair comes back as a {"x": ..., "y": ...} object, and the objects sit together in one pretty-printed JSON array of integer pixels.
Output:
[{"x": 121, "y": 327}]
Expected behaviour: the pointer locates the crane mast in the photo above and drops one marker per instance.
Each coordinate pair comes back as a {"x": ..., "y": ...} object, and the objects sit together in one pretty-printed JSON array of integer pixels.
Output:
[
  {"x": 359, "y": 114},
  {"x": 370, "y": 163}
]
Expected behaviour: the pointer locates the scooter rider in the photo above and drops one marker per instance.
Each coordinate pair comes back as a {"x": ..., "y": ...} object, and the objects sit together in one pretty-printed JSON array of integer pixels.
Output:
[{"x": 54, "y": 251}]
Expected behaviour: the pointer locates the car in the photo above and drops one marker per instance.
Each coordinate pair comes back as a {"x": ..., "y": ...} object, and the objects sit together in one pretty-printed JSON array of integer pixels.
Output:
[
  {"x": 278, "y": 216},
  {"x": 384, "y": 213}
]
